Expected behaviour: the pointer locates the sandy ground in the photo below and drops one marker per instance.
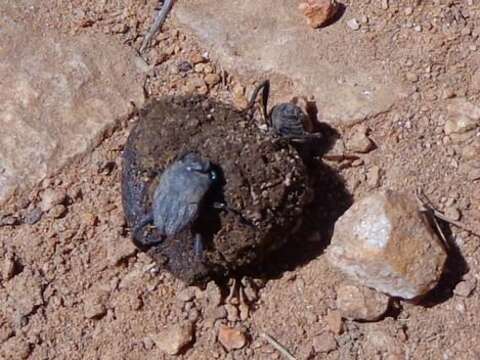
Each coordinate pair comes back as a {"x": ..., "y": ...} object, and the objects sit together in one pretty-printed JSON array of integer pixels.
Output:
[{"x": 74, "y": 287}]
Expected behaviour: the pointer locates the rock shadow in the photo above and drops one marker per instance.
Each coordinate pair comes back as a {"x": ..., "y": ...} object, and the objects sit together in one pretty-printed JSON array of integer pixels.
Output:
[{"x": 453, "y": 271}]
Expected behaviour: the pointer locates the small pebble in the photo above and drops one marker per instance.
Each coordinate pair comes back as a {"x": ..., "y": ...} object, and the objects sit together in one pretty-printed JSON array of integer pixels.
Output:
[
  {"x": 213, "y": 295},
  {"x": 58, "y": 211},
  {"x": 408, "y": 11},
  {"x": 212, "y": 79},
  {"x": 51, "y": 198},
  {"x": 173, "y": 339},
  {"x": 334, "y": 321},
  {"x": 353, "y": 24},
  {"x": 453, "y": 213},
  {"x": 324, "y": 343},
  {"x": 384, "y": 4},
  {"x": 464, "y": 288},
  {"x": 231, "y": 339},
  {"x": 33, "y": 216},
  {"x": 186, "y": 294},
  {"x": 412, "y": 77}
]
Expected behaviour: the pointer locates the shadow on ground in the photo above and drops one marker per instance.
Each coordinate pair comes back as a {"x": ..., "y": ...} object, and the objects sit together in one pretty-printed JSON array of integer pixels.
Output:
[{"x": 455, "y": 268}]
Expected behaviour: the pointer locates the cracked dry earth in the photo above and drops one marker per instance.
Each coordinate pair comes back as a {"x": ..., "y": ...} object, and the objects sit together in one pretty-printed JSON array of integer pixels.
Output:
[{"x": 72, "y": 285}]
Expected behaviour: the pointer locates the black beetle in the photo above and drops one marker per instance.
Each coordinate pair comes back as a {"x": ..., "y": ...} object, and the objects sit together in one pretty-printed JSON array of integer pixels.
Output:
[
  {"x": 286, "y": 120},
  {"x": 178, "y": 198}
]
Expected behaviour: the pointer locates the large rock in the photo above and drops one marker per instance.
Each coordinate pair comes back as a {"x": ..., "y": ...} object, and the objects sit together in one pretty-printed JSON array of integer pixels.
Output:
[
  {"x": 58, "y": 97},
  {"x": 265, "y": 38},
  {"x": 383, "y": 242}
]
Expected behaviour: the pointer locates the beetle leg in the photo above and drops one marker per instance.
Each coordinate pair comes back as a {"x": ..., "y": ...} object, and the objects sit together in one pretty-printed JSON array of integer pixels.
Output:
[
  {"x": 198, "y": 246},
  {"x": 137, "y": 230}
]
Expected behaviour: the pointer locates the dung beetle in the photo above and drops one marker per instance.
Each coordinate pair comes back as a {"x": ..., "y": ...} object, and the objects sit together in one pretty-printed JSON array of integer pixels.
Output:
[
  {"x": 178, "y": 198},
  {"x": 285, "y": 120}
]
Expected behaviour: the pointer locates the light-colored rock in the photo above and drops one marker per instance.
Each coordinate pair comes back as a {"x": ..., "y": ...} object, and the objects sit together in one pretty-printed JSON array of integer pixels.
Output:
[
  {"x": 213, "y": 295},
  {"x": 51, "y": 198},
  {"x": 94, "y": 304},
  {"x": 324, "y": 343},
  {"x": 173, "y": 339},
  {"x": 231, "y": 339},
  {"x": 463, "y": 116},
  {"x": 353, "y": 24},
  {"x": 464, "y": 288},
  {"x": 334, "y": 321},
  {"x": 59, "y": 95},
  {"x": 360, "y": 142},
  {"x": 384, "y": 243},
  {"x": 187, "y": 294},
  {"x": 118, "y": 248},
  {"x": 361, "y": 303},
  {"x": 254, "y": 38},
  {"x": 24, "y": 293}
]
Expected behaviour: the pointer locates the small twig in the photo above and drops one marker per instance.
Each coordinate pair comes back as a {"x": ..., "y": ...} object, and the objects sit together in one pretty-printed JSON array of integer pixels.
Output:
[
  {"x": 426, "y": 205},
  {"x": 280, "y": 348},
  {"x": 159, "y": 20}
]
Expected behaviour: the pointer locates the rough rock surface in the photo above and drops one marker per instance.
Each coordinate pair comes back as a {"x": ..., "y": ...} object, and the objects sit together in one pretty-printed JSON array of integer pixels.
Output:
[
  {"x": 384, "y": 242},
  {"x": 58, "y": 97},
  {"x": 240, "y": 36}
]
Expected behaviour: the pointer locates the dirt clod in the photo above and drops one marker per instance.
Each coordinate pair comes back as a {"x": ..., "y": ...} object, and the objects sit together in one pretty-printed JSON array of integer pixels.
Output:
[{"x": 254, "y": 172}]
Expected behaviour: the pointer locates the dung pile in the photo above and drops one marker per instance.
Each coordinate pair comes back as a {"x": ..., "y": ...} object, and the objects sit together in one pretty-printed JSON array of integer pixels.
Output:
[{"x": 264, "y": 181}]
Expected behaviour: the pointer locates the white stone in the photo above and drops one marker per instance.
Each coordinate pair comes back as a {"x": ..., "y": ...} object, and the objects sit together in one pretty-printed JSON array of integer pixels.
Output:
[{"x": 383, "y": 242}]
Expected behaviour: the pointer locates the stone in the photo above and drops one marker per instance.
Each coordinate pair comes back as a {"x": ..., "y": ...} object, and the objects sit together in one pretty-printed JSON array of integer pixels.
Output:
[
  {"x": 373, "y": 177},
  {"x": 58, "y": 211},
  {"x": 385, "y": 243},
  {"x": 213, "y": 295},
  {"x": 334, "y": 321},
  {"x": 119, "y": 249},
  {"x": 360, "y": 142},
  {"x": 187, "y": 294},
  {"x": 94, "y": 304},
  {"x": 174, "y": 339},
  {"x": 33, "y": 216},
  {"x": 212, "y": 79},
  {"x": 353, "y": 24},
  {"x": 51, "y": 198},
  {"x": 318, "y": 12},
  {"x": 463, "y": 116},
  {"x": 324, "y": 343},
  {"x": 59, "y": 95},
  {"x": 453, "y": 213},
  {"x": 231, "y": 338},
  {"x": 275, "y": 40},
  {"x": 24, "y": 293},
  {"x": 361, "y": 303},
  {"x": 464, "y": 288}
]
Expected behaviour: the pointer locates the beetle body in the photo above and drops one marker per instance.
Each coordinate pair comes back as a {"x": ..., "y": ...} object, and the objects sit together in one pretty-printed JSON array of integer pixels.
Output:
[
  {"x": 285, "y": 120},
  {"x": 179, "y": 195}
]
